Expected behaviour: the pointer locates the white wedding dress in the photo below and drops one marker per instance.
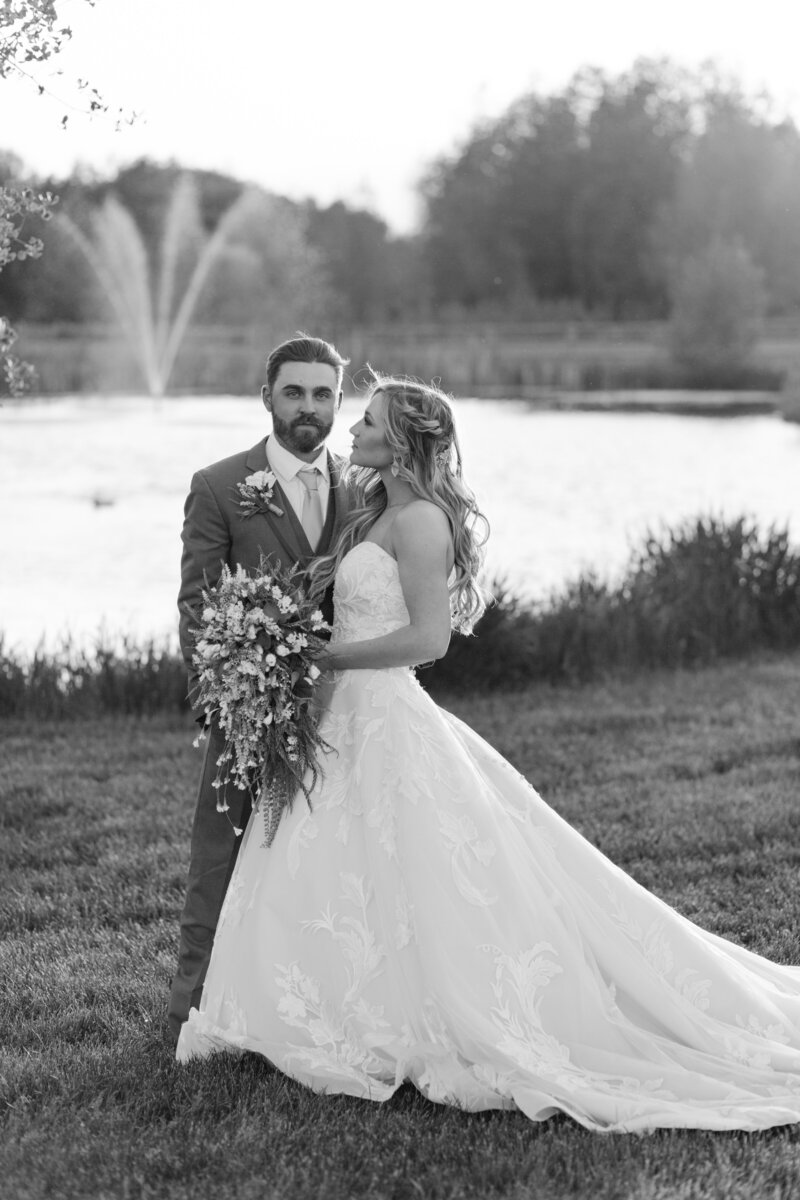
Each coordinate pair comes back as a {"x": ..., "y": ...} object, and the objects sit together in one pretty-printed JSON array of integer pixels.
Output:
[{"x": 432, "y": 920}]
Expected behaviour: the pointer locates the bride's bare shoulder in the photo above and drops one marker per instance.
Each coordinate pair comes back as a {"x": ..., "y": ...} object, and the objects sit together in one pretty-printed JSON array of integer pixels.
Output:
[
  {"x": 422, "y": 514},
  {"x": 421, "y": 522}
]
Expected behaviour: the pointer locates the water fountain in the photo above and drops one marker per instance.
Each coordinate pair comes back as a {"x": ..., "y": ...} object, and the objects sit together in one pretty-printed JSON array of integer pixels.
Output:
[{"x": 154, "y": 327}]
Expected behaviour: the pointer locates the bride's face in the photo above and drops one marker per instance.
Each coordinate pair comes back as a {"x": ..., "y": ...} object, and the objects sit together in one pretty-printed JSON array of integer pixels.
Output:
[{"x": 370, "y": 447}]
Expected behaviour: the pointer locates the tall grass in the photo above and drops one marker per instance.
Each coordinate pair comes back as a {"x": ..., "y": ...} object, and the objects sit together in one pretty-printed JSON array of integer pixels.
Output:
[
  {"x": 74, "y": 681},
  {"x": 707, "y": 590}
]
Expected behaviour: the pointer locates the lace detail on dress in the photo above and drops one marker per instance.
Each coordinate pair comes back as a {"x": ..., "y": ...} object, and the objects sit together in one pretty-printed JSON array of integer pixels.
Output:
[{"x": 367, "y": 598}]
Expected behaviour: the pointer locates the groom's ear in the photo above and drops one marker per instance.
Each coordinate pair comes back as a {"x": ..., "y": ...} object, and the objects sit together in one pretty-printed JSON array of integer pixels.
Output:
[
  {"x": 266, "y": 398},
  {"x": 339, "y": 400}
]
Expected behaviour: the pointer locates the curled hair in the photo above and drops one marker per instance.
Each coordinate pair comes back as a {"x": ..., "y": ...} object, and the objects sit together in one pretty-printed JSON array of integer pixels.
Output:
[{"x": 421, "y": 434}]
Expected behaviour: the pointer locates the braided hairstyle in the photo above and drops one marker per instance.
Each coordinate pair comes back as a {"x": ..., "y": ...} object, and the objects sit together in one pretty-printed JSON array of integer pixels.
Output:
[{"x": 421, "y": 434}]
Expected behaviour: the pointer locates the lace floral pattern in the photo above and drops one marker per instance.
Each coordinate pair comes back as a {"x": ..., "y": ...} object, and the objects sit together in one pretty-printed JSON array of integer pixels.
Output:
[
  {"x": 367, "y": 600},
  {"x": 432, "y": 919}
]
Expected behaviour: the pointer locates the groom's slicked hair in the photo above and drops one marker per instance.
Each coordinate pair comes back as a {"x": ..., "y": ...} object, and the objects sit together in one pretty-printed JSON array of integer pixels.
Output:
[{"x": 307, "y": 350}]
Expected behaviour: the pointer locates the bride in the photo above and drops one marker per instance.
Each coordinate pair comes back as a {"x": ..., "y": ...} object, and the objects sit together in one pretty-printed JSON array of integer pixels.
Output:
[{"x": 428, "y": 917}]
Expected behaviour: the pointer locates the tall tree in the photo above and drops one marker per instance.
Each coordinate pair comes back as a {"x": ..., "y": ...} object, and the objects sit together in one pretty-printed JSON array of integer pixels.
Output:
[
  {"x": 374, "y": 276},
  {"x": 496, "y": 226},
  {"x": 740, "y": 183},
  {"x": 353, "y": 244},
  {"x": 542, "y": 147},
  {"x": 557, "y": 197},
  {"x": 472, "y": 256},
  {"x": 636, "y": 133}
]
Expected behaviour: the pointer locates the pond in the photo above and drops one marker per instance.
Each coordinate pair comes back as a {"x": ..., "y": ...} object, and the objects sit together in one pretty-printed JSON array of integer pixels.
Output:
[{"x": 92, "y": 491}]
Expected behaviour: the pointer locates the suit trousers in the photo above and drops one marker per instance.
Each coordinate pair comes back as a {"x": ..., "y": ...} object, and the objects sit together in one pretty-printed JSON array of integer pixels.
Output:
[{"x": 214, "y": 850}]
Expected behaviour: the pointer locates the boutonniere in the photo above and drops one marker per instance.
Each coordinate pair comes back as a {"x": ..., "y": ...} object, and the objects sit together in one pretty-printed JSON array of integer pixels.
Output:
[{"x": 256, "y": 494}]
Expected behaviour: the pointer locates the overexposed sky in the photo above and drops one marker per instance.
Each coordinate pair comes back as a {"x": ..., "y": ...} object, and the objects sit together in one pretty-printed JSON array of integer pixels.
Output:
[{"x": 351, "y": 99}]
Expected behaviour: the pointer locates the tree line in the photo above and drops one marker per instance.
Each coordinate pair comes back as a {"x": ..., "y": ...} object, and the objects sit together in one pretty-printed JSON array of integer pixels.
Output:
[{"x": 599, "y": 199}]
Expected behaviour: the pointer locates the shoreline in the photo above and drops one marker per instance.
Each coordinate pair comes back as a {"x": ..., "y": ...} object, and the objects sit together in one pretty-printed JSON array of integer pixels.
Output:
[{"x": 678, "y": 402}]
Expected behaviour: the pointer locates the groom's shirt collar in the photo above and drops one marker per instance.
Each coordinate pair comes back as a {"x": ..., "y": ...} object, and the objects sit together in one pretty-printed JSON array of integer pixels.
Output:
[{"x": 286, "y": 466}]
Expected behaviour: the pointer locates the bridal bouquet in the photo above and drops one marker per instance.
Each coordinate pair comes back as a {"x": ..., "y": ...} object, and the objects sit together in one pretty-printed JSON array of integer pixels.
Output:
[{"x": 254, "y": 653}]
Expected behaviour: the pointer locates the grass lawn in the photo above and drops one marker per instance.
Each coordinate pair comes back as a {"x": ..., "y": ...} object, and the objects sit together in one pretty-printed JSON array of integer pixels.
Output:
[{"x": 691, "y": 782}]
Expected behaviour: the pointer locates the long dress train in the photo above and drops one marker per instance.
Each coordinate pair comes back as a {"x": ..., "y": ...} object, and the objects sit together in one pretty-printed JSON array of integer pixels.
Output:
[{"x": 432, "y": 919}]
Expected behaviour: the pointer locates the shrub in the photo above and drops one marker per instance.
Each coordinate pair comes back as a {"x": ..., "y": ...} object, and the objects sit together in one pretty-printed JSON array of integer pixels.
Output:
[
  {"x": 710, "y": 590},
  {"x": 706, "y": 590},
  {"x": 129, "y": 679},
  {"x": 673, "y": 376},
  {"x": 717, "y": 306}
]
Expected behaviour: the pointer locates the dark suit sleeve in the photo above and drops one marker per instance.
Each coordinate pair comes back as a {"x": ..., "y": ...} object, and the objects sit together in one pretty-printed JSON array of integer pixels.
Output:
[{"x": 206, "y": 538}]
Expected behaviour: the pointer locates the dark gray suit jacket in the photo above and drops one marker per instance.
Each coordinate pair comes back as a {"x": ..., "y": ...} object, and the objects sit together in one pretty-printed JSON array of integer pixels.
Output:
[{"x": 215, "y": 531}]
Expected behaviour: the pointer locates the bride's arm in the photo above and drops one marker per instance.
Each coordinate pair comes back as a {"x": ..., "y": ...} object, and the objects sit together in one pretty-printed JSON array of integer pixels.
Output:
[{"x": 421, "y": 544}]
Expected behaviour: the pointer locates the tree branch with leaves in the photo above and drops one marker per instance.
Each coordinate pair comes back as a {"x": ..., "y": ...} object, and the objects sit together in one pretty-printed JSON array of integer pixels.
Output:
[
  {"x": 31, "y": 33},
  {"x": 16, "y": 205}
]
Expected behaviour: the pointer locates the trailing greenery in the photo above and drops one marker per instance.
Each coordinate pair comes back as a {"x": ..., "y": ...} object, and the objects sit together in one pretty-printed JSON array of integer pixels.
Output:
[
  {"x": 706, "y": 590},
  {"x": 687, "y": 781}
]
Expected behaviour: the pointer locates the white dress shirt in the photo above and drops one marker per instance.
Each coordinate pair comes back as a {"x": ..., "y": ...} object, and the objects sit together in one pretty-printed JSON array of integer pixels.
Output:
[{"x": 285, "y": 467}]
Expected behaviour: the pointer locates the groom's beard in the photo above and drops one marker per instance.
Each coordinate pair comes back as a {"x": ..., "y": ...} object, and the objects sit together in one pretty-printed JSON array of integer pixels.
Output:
[{"x": 303, "y": 434}]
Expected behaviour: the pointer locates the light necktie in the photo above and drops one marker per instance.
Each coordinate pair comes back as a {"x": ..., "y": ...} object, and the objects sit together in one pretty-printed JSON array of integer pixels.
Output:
[{"x": 312, "y": 517}]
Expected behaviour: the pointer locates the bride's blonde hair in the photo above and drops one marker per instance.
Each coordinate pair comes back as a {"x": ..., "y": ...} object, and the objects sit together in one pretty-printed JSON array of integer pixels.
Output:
[{"x": 421, "y": 434}]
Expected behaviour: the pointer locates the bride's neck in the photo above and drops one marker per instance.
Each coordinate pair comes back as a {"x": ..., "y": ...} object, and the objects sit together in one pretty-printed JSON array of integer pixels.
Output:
[
  {"x": 397, "y": 498},
  {"x": 398, "y": 492}
]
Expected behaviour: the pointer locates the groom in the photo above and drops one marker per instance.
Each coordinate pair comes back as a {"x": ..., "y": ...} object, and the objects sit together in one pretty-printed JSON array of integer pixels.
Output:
[{"x": 301, "y": 506}]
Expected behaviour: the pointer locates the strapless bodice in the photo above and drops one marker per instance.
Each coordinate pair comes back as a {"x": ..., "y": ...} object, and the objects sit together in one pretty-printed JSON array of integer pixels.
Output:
[{"x": 367, "y": 597}]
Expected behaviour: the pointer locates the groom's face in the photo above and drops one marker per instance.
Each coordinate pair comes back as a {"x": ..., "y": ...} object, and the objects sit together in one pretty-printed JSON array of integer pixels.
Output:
[{"x": 303, "y": 402}]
